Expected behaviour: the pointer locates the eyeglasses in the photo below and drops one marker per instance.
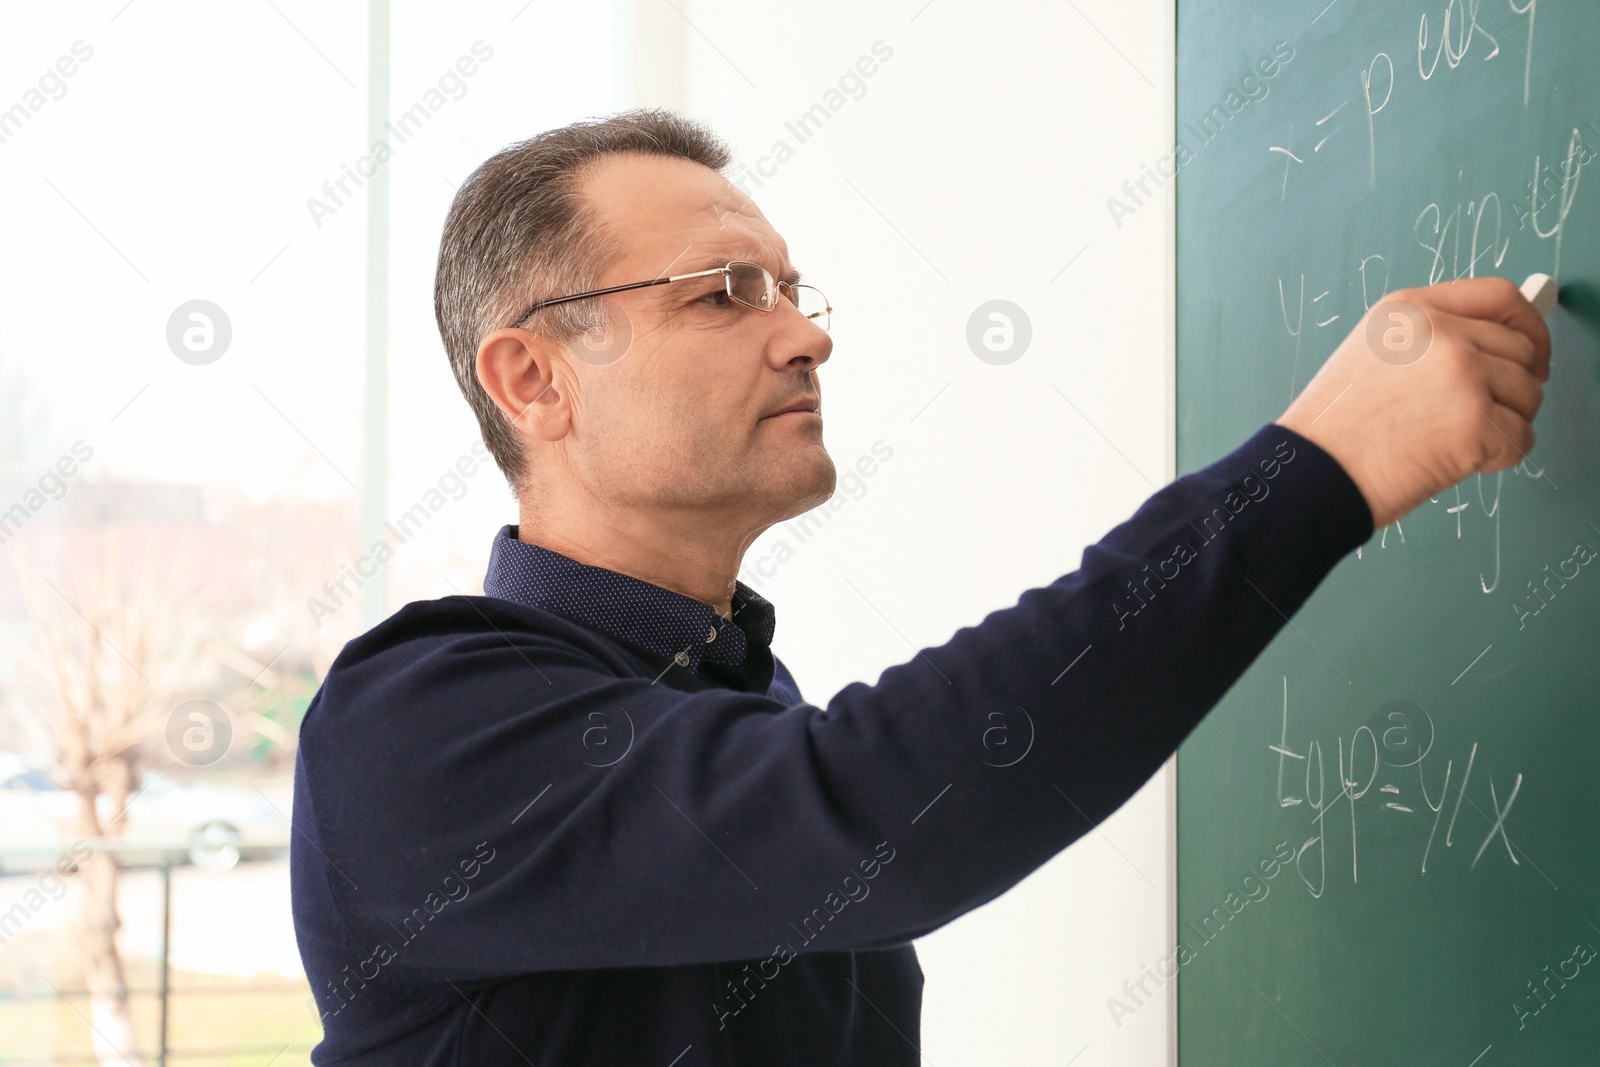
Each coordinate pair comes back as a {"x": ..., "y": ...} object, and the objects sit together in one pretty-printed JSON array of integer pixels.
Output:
[{"x": 749, "y": 284}]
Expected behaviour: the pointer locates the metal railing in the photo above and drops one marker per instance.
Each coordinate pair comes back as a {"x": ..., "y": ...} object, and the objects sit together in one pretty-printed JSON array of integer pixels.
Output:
[{"x": 162, "y": 858}]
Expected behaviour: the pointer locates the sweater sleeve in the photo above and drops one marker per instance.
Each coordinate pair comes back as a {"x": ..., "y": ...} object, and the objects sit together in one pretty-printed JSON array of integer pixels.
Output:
[{"x": 469, "y": 820}]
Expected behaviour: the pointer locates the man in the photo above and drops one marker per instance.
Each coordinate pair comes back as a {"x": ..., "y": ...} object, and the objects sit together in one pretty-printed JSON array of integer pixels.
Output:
[{"x": 588, "y": 818}]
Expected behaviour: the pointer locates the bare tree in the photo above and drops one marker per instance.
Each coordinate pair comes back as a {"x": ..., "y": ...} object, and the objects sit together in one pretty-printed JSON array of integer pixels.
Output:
[{"x": 114, "y": 644}]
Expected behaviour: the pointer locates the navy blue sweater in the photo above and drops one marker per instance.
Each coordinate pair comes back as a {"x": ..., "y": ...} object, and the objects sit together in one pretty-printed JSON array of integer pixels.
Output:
[{"x": 583, "y": 820}]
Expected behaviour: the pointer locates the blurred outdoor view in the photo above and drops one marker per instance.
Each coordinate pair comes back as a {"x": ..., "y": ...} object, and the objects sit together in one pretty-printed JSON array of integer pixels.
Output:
[{"x": 220, "y": 384}]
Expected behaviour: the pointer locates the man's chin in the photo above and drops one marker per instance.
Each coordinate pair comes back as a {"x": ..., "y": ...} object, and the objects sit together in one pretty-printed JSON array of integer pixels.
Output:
[{"x": 811, "y": 484}]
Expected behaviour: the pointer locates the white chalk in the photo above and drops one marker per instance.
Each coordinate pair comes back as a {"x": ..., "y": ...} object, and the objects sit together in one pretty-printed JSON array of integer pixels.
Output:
[{"x": 1540, "y": 289}]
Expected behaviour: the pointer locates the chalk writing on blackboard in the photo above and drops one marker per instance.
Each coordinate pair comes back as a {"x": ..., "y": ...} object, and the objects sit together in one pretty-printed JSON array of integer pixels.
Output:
[{"x": 1393, "y": 748}]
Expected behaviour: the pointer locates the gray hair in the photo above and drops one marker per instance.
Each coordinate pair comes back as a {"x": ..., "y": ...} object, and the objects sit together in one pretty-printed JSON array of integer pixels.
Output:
[{"x": 518, "y": 232}]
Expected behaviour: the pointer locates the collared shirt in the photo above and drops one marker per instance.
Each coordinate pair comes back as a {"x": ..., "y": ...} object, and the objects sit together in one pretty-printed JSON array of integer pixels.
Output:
[
  {"x": 561, "y": 823},
  {"x": 658, "y": 619}
]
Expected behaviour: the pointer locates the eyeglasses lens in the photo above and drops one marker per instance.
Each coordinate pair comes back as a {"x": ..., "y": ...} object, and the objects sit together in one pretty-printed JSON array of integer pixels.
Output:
[{"x": 751, "y": 285}]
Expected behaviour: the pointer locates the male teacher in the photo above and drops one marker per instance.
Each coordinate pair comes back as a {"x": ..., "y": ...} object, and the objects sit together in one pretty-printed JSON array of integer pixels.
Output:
[{"x": 589, "y": 818}]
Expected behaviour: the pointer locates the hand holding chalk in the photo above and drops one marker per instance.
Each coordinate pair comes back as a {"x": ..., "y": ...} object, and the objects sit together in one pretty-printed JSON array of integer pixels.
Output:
[
  {"x": 1433, "y": 384},
  {"x": 1540, "y": 289}
]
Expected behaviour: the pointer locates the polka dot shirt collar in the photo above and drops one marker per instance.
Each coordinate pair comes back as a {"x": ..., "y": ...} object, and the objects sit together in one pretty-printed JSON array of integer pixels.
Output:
[{"x": 627, "y": 608}]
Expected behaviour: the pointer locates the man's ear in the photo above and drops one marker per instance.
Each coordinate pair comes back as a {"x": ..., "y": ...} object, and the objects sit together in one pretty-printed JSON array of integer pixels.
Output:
[{"x": 527, "y": 376}]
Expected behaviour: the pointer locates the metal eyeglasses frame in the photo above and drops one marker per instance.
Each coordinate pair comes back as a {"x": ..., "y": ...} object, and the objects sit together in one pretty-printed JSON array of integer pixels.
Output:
[{"x": 725, "y": 271}]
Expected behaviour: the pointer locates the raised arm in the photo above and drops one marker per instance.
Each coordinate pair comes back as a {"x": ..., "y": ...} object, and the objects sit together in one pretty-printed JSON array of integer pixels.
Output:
[{"x": 720, "y": 825}]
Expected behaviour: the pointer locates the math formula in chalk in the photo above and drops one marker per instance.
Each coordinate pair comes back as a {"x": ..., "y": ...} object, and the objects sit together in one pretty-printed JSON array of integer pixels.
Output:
[
  {"x": 1485, "y": 521},
  {"x": 1392, "y": 768}
]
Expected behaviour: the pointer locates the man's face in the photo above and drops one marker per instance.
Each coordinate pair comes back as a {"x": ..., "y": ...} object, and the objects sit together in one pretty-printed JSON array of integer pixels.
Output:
[{"x": 681, "y": 418}]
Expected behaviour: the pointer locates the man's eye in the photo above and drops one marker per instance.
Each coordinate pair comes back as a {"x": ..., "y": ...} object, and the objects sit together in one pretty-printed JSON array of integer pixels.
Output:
[{"x": 716, "y": 298}]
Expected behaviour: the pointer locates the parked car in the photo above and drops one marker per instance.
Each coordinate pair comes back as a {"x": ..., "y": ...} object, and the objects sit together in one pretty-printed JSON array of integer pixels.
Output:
[{"x": 213, "y": 824}]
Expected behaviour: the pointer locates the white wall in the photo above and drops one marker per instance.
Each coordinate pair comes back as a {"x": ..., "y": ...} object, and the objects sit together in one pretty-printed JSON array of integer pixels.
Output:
[{"x": 975, "y": 165}]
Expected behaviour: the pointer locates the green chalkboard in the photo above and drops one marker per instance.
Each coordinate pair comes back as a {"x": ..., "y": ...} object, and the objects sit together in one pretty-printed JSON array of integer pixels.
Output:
[{"x": 1348, "y": 891}]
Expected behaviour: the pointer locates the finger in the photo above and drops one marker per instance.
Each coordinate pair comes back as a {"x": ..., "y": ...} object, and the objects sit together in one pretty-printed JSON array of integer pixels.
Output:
[
  {"x": 1505, "y": 438},
  {"x": 1497, "y": 300},
  {"x": 1492, "y": 338},
  {"x": 1512, "y": 385}
]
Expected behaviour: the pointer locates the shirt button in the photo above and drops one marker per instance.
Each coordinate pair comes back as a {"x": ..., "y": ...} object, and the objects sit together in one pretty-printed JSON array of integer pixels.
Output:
[
  {"x": 712, "y": 635},
  {"x": 681, "y": 659}
]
